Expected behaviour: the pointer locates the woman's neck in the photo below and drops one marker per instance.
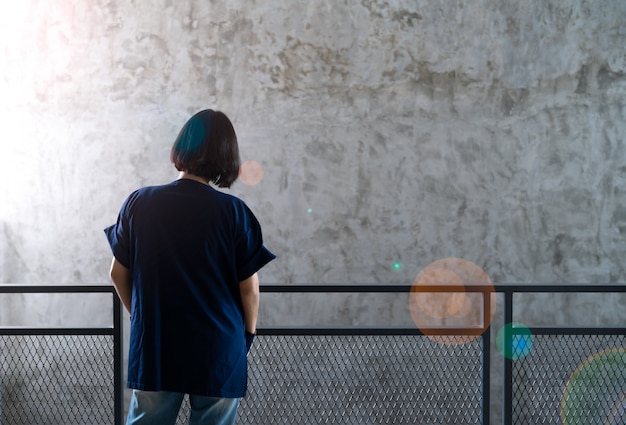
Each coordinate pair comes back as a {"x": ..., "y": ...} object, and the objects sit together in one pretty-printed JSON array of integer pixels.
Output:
[{"x": 189, "y": 176}]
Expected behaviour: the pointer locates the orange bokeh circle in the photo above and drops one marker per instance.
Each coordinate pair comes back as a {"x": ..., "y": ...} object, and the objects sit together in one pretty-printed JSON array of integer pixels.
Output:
[
  {"x": 251, "y": 173},
  {"x": 451, "y": 316}
]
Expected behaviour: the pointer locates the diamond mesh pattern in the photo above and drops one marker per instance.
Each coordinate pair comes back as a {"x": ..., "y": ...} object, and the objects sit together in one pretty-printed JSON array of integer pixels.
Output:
[
  {"x": 353, "y": 379},
  {"x": 542, "y": 380},
  {"x": 56, "y": 379}
]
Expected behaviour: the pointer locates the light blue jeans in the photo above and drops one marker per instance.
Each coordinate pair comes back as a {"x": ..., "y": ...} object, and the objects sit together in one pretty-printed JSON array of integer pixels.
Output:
[{"x": 161, "y": 408}]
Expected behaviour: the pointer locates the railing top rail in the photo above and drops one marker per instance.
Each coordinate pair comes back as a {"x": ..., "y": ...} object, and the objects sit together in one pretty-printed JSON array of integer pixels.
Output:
[
  {"x": 348, "y": 288},
  {"x": 558, "y": 287},
  {"x": 54, "y": 288},
  {"x": 500, "y": 287}
]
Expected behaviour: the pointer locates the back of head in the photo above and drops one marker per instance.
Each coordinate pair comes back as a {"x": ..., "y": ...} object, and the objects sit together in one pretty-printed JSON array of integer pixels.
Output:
[{"x": 207, "y": 147}]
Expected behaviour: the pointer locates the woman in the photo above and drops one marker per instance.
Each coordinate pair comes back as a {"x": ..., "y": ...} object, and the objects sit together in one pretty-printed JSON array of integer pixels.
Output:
[{"x": 185, "y": 263}]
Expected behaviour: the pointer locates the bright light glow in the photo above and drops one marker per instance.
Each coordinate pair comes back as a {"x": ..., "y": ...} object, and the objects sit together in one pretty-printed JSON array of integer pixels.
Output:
[
  {"x": 13, "y": 16},
  {"x": 13, "y": 118},
  {"x": 34, "y": 41}
]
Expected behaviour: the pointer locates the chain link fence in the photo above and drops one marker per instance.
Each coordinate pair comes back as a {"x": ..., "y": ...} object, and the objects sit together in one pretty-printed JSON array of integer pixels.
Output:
[
  {"x": 62, "y": 375},
  {"x": 568, "y": 379},
  {"x": 56, "y": 380},
  {"x": 364, "y": 379},
  {"x": 571, "y": 380}
]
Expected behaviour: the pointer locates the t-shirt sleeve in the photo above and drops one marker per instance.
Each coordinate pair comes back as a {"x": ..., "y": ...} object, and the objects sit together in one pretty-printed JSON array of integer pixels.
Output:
[
  {"x": 251, "y": 254},
  {"x": 118, "y": 236}
]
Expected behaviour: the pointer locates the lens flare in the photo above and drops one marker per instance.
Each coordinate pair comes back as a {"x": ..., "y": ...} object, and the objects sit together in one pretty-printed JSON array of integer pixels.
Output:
[
  {"x": 437, "y": 305},
  {"x": 515, "y": 341},
  {"x": 596, "y": 391},
  {"x": 460, "y": 310}
]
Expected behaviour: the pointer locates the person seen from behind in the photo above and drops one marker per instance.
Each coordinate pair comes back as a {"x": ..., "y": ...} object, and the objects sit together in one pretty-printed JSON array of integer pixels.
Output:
[{"x": 185, "y": 263}]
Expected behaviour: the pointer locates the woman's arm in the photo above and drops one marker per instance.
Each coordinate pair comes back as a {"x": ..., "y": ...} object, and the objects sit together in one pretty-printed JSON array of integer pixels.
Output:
[
  {"x": 120, "y": 276},
  {"x": 250, "y": 297}
]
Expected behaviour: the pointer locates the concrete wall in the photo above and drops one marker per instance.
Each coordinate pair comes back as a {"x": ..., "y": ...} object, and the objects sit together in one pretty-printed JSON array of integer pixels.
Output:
[
  {"x": 391, "y": 134},
  {"x": 413, "y": 131}
]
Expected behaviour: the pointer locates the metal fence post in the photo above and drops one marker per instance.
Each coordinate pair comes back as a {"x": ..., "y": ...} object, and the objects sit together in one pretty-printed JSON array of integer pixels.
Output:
[
  {"x": 118, "y": 343},
  {"x": 486, "y": 340},
  {"x": 507, "y": 417}
]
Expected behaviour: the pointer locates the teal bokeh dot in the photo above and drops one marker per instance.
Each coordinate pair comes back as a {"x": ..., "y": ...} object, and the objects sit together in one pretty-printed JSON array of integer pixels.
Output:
[{"x": 515, "y": 341}]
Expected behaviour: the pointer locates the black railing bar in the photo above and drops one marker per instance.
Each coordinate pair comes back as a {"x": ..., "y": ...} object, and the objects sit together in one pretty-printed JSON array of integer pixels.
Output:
[
  {"x": 507, "y": 388},
  {"x": 33, "y": 289},
  {"x": 371, "y": 331},
  {"x": 20, "y": 330},
  {"x": 486, "y": 375},
  {"x": 557, "y": 288},
  {"x": 468, "y": 287},
  {"x": 118, "y": 356},
  {"x": 373, "y": 288},
  {"x": 573, "y": 330}
]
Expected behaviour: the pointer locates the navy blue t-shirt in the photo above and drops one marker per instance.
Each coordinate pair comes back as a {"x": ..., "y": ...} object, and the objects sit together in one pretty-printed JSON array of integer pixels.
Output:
[{"x": 187, "y": 246}]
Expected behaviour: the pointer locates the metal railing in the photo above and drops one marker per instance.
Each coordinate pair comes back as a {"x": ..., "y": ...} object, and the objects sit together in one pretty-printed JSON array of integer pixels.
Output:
[
  {"x": 62, "y": 375},
  {"x": 369, "y": 374},
  {"x": 376, "y": 374},
  {"x": 571, "y": 374}
]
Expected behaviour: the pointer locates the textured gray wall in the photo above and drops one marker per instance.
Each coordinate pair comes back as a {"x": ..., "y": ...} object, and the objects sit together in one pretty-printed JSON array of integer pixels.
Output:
[
  {"x": 389, "y": 132},
  {"x": 414, "y": 131}
]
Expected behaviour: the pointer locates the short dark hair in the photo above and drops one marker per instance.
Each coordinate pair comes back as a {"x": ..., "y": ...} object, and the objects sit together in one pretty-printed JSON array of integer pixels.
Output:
[{"x": 207, "y": 147}]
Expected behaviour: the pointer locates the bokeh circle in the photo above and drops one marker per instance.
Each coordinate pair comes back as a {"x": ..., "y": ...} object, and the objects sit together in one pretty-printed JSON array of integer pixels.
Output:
[
  {"x": 462, "y": 309},
  {"x": 515, "y": 341},
  {"x": 596, "y": 391},
  {"x": 251, "y": 173}
]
